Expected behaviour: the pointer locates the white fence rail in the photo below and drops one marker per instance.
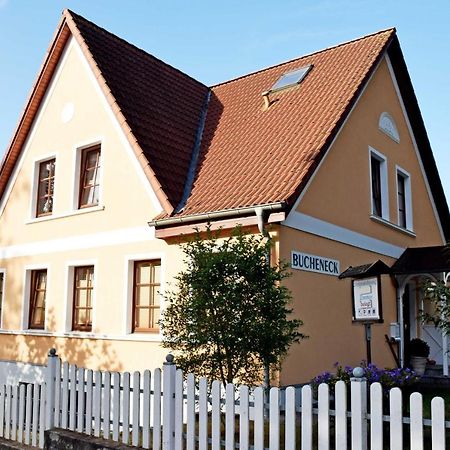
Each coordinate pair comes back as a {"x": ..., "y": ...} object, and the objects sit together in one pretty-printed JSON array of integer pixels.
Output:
[{"x": 189, "y": 414}]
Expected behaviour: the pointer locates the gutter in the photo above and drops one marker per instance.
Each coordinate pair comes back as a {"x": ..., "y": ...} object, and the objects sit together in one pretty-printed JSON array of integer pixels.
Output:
[{"x": 257, "y": 210}]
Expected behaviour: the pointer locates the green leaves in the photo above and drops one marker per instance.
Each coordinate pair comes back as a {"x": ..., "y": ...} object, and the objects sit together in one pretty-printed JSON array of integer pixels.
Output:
[
  {"x": 437, "y": 294},
  {"x": 228, "y": 316}
]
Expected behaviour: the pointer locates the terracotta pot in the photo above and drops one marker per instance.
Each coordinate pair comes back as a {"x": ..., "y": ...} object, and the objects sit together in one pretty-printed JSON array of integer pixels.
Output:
[{"x": 418, "y": 364}]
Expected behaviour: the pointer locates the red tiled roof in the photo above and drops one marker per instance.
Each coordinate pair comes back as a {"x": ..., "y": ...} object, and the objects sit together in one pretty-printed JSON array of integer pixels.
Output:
[
  {"x": 247, "y": 156},
  {"x": 250, "y": 156},
  {"x": 160, "y": 104}
]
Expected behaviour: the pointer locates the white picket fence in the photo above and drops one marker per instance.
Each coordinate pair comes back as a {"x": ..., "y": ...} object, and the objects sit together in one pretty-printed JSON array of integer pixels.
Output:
[{"x": 189, "y": 414}]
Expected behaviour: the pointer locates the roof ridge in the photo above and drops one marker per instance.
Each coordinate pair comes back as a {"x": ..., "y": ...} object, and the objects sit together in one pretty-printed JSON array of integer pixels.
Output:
[
  {"x": 68, "y": 11},
  {"x": 352, "y": 41}
]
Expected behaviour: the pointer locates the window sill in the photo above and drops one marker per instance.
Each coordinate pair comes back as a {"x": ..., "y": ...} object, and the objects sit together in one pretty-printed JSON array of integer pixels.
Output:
[
  {"x": 135, "y": 337},
  {"x": 68, "y": 214},
  {"x": 392, "y": 225}
]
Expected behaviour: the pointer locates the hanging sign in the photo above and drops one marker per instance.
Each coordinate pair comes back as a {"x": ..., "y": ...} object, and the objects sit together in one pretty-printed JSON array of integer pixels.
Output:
[
  {"x": 314, "y": 263},
  {"x": 367, "y": 300}
]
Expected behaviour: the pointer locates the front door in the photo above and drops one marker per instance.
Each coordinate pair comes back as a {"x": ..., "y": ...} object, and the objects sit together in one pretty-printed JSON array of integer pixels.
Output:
[{"x": 432, "y": 335}]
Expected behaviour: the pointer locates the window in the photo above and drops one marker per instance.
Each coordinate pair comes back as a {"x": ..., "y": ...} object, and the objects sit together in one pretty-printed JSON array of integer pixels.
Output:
[
  {"x": 83, "y": 287},
  {"x": 377, "y": 207},
  {"x": 291, "y": 78},
  {"x": 146, "y": 302},
  {"x": 38, "y": 289},
  {"x": 2, "y": 291},
  {"x": 46, "y": 187},
  {"x": 378, "y": 185},
  {"x": 89, "y": 177},
  {"x": 404, "y": 206},
  {"x": 401, "y": 200}
]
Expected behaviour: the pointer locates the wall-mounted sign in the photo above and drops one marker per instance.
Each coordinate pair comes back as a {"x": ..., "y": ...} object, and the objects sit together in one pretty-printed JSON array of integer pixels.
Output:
[
  {"x": 367, "y": 299},
  {"x": 314, "y": 263}
]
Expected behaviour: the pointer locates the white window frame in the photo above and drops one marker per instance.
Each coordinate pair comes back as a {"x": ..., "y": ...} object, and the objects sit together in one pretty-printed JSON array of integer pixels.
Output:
[
  {"x": 3, "y": 271},
  {"x": 68, "y": 295},
  {"x": 35, "y": 184},
  {"x": 408, "y": 197},
  {"x": 383, "y": 182},
  {"x": 78, "y": 150},
  {"x": 128, "y": 291},
  {"x": 25, "y": 319}
]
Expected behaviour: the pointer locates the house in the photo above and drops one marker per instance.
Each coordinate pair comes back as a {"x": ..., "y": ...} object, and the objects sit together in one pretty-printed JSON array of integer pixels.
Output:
[{"x": 117, "y": 154}]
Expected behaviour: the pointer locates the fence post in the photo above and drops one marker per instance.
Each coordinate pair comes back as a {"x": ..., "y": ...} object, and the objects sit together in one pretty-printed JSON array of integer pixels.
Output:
[
  {"x": 359, "y": 409},
  {"x": 169, "y": 373},
  {"x": 50, "y": 376}
]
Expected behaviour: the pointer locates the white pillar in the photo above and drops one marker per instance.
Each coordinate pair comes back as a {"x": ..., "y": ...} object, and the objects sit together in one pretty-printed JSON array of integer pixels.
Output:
[
  {"x": 401, "y": 320},
  {"x": 358, "y": 386},
  {"x": 169, "y": 373},
  {"x": 50, "y": 375}
]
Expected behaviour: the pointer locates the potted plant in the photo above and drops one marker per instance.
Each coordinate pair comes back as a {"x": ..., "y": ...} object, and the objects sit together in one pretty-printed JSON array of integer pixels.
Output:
[{"x": 419, "y": 351}]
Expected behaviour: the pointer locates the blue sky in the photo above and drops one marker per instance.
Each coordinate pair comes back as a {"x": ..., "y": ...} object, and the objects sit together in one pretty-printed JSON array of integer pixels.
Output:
[{"x": 215, "y": 41}]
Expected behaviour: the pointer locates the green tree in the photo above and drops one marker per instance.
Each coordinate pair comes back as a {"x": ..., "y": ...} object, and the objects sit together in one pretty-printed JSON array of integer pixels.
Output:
[
  {"x": 228, "y": 316},
  {"x": 438, "y": 294}
]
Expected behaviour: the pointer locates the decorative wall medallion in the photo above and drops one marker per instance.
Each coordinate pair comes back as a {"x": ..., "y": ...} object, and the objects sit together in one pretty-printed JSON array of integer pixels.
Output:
[
  {"x": 387, "y": 126},
  {"x": 67, "y": 112}
]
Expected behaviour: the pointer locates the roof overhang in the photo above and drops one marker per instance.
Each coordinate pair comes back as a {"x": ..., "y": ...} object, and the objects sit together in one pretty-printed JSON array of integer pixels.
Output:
[
  {"x": 420, "y": 260},
  {"x": 366, "y": 270},
  {"x": 257, "y": 215}
]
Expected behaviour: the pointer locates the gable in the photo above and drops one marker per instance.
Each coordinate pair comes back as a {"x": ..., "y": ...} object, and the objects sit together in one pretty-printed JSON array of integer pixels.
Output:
[
  {"x": 75, "y": 115},
  {"x": 340, "y": 191}
]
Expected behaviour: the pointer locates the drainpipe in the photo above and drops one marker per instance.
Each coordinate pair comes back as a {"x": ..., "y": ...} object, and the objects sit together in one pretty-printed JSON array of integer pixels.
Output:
[
  {"x": 400, "y": 292},
  {"x": 445, "y": 339},
  {"x": 261, "y": 227}
]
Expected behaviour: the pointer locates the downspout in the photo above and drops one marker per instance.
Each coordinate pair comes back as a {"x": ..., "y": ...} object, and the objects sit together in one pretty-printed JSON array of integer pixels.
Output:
[
  {"x": 446, "y": 277},
  {"x": 400, "y": 292},
  {"x": 259, "y": 211}
]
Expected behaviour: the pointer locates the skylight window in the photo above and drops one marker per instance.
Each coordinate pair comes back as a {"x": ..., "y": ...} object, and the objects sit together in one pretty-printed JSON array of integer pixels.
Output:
[{"x": 290, "y": 79}]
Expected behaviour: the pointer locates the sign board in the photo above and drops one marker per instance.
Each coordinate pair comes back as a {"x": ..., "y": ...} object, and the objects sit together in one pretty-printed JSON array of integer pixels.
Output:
[
  {"x": 314, "y": 263},
  {"x": 367, "y": 300}
]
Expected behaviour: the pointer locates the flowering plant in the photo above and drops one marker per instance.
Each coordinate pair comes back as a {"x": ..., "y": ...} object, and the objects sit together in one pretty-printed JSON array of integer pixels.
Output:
[{"x": 388, "y": 378}]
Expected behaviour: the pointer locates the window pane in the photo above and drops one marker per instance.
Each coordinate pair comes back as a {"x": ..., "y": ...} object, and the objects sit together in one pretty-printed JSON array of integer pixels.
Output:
[
  {"x": 46, "y": 183},
  {"x": 143, "y": 318},
  {"x": 146, "y": 299},
  {"x": 38, "y": 287},
  {"x": 143, "y": 296},
  {"x": 89, "y": 177},
  {"x": 376, "y": 187},
  {"x": 82, "y": 307},
  {"x": 144, "y": 274},
  {"x": 157, "y": 278},
  {"x": 155, "y": 296},
  {"x": 156, "y": 316}
]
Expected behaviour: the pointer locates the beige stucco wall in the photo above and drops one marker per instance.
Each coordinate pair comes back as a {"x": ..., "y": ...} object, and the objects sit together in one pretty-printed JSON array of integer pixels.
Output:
[
  {"x": 126, "y": 205},
  {"x": 340, "y": 190}
]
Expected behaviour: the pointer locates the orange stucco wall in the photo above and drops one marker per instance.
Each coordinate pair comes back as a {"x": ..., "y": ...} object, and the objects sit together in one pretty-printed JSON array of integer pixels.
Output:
[
  {"x": 339, "y": 194},
  {"x": 340, "y": 191},
  {"x": 324, "y": 304}
]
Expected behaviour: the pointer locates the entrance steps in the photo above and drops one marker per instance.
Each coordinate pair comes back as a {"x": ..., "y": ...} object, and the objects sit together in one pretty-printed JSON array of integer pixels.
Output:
[{"x": 434, "y": 377}]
